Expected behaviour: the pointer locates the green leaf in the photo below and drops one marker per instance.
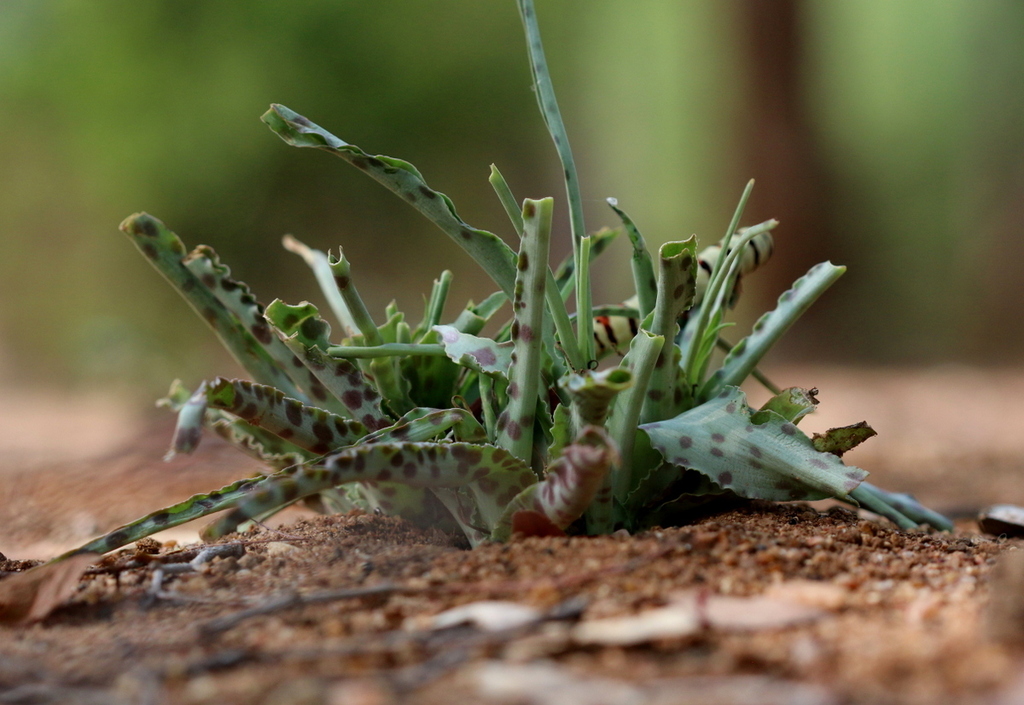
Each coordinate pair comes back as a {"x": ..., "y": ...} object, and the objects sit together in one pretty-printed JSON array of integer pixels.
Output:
[
  {"x": 569, "y": 485},
  {"x": 567, "y": 267},
  {"x": 677, "y": 265},
  {"x": 307, "y": 335},
  {"x": 316, "y": 430},
  {"x": 476, "y": 353},
  {"x": 643, "y": 266},
  {"x": 418, "y": 425},
  {"x": 254, "y": 441},
  {"x": 773, "y": 460},
  {"x": 165, "y": 252},
  {"x": 592, "y": 394},
  {"x": 385, "y": 371},
  {"x": 403, "y": 179},
  {"x": 771, "y": 326},
  {"x": 516, "y": 421},
  {"x": 492, "y": 475},
  {"x": 838, "y": 441},
  {"x": 195, "y": 507},
  {"x": 643, "y": 354},
  {"x": 791, "y": 404},
  {"x": 318, "y": 262},
  {"x": 237, "y": 298},
  {"x": 545, "y": 93}
]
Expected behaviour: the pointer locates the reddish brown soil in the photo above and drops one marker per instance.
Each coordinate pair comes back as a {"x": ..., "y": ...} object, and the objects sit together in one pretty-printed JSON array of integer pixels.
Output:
[{"x": 901, "y": 617}]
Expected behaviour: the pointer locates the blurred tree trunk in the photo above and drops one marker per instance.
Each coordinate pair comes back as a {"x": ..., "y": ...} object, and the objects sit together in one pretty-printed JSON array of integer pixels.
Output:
[{"x": 778, "y": 145}]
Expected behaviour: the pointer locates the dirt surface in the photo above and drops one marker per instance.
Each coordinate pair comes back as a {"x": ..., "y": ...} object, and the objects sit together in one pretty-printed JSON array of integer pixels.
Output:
[{"x": 761, "y": 604}]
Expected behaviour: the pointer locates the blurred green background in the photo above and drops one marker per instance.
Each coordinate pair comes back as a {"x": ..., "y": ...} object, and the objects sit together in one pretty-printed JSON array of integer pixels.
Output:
[{"x": 885, "y": 136}]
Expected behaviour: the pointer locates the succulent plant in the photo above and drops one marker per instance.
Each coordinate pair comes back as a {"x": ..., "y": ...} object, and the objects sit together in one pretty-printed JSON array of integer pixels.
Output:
[{"x": 519, "y": 430}]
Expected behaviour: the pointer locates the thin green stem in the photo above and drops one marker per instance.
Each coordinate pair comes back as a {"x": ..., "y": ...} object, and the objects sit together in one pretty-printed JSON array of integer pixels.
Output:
[
  {"x": 642, "y": 263},
  {"x": 737, "y": 214},
  {"x": 435, "y": 307},
  {"x": 508, "y": 201},
  {"x": 351, "y": 352},
  {"x": 584, "y": 304},
  {"x": 553, "y": 118},
  {"x": 556, "y": 128}
]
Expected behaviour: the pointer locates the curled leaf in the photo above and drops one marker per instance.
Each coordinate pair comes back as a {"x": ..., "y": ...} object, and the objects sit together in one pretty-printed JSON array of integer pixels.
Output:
[{"x": 842, "y": 439}]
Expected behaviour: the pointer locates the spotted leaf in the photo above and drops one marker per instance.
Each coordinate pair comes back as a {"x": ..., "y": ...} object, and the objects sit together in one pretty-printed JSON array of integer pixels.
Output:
[
  {"x": 791, "y": 404},
  {"x": 746, "y": 354},
  {"x": 479, "y": 354},
  {"x": 773, "y": 460},
  {"x": 195, "y": 507},
  {"x": 403, "y": 179},
  {"x": 307, "y": 335},
  {"x": 592, "y": 394},
  {"x": 165, "y": 252},
  {"x": 384, "y": 371},
  {"x": 515, "y": 423},
  {"x": 239, "y": 299},
  {"x": 422, "y": 424},
  {"x": 194, "y": 415},
  {"x": 569, "y": 485},
  {"x": 492, "y": 475},
  {"x": 308, "y": 427}
]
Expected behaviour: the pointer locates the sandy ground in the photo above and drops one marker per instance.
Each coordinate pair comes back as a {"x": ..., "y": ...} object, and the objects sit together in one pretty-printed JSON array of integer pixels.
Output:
[{"x": 764, "y": 604}]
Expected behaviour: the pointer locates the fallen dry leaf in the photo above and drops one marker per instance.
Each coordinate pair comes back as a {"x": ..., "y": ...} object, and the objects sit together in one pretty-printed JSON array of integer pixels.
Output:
[
  {"x": 692, "y": 612},
  {"x": 674, "y": 621},
  {"x": 813, "y": 593},
  {"x": 488, "y": 615},
  {"x": 754, "y": 613},
  {"x": 32, "y": 595}
]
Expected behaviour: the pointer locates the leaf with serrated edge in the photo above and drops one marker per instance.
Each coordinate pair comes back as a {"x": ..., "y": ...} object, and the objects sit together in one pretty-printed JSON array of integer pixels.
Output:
[
  {"x": 404, "y": 179},
  {"x": 306, "y": 334},
  {"x": 254, "y": 441},
  {"x": 747, "y": 353},
  {"x": 493, "y": 475},
  {"x": 165, "y": 252},
  {"x": 773, "y": 460},
  {"x": 195, "y": 507},
  {"x": 420, "y": 424},
  {"x": 238, "y": 298},
  {"x": 316, "y": 430}
]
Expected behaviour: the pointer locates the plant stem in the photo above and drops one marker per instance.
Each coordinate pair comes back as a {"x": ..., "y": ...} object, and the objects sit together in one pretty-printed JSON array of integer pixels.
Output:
[
  {"x": 556, "y": 128},
  {"x": 386, "y": 350}
]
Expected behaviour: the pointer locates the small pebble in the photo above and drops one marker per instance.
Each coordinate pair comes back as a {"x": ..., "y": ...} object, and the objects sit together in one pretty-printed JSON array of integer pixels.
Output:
[
  {"x": 280, "y": 548},
  {"x": 1002, "y": 519}
]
